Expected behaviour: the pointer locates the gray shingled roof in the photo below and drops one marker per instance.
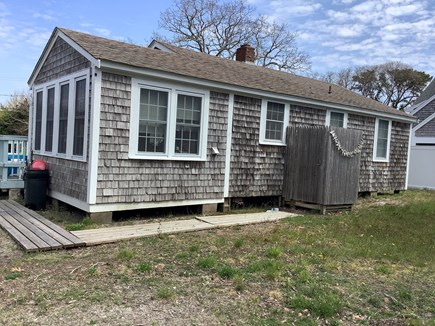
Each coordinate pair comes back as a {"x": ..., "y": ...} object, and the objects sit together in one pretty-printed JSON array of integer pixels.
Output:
[
  {"x": 428, "y": 92},
  {"x": 206, "y": 67}
]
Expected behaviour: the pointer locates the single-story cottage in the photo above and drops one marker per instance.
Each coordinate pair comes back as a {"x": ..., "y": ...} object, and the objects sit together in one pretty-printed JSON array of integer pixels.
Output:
[
  {"x": 124, "y": 127},
  {"x": 422, "y": 155}
]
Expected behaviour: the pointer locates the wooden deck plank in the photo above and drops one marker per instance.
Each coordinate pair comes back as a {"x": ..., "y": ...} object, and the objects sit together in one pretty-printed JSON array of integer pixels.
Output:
[
  {"x": 59, "y": 238},
  {"x": 24, "y": 231},
  {"x": 68, "y": 235},
  {"x": 50, "y": 243},
  {"x": 25, "y": 243},
  {"x": 241, "y": 219},
  {"x": 109, "y": 235}
]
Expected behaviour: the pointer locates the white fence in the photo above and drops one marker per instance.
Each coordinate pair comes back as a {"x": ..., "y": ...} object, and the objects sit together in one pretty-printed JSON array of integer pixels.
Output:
[
  {"x": 422, "y": 167},
  {"x": 13, "y": 158}
]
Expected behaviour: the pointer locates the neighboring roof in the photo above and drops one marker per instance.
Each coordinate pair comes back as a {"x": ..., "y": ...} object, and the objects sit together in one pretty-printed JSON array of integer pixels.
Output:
[
  {"x": 185, "y": 62},
  {"x": 427, "y": 93}
]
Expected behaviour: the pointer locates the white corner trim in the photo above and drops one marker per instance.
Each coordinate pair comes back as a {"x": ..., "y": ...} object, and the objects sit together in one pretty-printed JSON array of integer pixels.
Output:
[
  {"x": 409, "y": 156},
  {"x": 228, "y": 145},
  {"x": 375, "y": 145},
  {"x": 94, "y": 134}
]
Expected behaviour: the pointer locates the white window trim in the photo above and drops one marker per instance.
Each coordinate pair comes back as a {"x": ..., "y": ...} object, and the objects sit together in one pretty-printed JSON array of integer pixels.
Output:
[
  {"x": 375, "y": 145},
  {"x": 71, "y": 80},
  {"x": 173, "y": 90},
  {"x": 263, "y": 140},
  {"x": 328, "y": 118}
]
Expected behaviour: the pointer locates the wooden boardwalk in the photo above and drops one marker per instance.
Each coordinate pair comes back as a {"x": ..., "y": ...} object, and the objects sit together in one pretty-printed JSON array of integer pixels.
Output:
[
  {"x": 32, "y": 231},
  {"x": 114, "y": 234}
]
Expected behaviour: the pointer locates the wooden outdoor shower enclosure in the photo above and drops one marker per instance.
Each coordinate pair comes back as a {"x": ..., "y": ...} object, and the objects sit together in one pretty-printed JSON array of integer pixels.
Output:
[{"x": 322, "y": 166}]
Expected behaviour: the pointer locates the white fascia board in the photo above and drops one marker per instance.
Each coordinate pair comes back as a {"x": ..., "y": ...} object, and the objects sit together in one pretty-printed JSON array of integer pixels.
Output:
[
  {"x": 424, "y": 122},
  {"x": 135, "y": 71},
  {"x": 47, "y": 50},
  {"x": 156, "y": 44},
  {"x": 100, "y": 208}
]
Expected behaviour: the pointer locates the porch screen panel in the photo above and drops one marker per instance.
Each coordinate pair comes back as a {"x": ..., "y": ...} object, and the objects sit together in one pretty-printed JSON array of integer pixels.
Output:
[
  {"x": 188, "y": 124},
  {"x": 50, "y": 120},
  {"x": 63, "y": 119},
  {"x": 152, "y": 121},
  {"x": 38, "y": 121},
  {"x": 79, "y": 117}
]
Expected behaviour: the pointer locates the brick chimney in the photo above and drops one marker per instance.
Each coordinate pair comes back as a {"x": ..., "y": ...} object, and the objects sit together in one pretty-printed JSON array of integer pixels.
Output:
[{"x": 245, "y": 53}]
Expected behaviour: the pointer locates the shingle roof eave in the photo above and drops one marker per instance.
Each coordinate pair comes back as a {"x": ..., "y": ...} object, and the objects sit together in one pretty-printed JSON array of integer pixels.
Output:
[{"x": 198, "y": 65}]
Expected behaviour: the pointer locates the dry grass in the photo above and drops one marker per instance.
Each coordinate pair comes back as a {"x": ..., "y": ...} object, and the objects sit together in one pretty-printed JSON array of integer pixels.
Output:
[{"x": 371, "y": 266}]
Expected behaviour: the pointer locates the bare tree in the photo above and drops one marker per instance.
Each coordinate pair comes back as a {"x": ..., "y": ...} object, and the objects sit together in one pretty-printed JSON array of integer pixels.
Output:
[{"x": 220, "y": 27}]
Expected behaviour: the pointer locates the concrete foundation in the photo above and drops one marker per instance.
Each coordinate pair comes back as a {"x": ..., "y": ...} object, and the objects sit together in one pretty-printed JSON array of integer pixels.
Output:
[
  {"x": 14, "y": 194},
  {"x": 103, "y": 217},
  {"x": 209, "y": 208}
]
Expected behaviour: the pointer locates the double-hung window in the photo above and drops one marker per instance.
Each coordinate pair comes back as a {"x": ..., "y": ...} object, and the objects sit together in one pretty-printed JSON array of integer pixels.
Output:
[
  {"x": 382, "y": 140},
  {"x": 336, "y": 119},
  {"x": 273, "y": 123},
  {"x": 60, "y": 124},
  {"x": 168, "y": 122}
]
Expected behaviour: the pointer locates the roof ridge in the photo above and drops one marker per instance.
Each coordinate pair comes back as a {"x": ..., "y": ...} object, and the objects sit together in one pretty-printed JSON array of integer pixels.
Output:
[{"x": 202, "y": 66}]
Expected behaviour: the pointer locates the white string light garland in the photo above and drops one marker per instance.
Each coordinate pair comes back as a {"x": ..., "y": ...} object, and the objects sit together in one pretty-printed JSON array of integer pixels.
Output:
[{"x": 342, "y": 150}]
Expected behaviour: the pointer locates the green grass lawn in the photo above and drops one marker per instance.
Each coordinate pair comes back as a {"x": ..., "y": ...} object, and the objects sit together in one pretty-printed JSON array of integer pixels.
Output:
[{"x": 372, "y": 266}]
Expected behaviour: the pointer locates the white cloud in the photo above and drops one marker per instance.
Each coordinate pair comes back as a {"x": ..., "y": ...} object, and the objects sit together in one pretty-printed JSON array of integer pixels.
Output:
[
  {"x": 103, "y": 31},
  {"x": 44, "y": 16}
]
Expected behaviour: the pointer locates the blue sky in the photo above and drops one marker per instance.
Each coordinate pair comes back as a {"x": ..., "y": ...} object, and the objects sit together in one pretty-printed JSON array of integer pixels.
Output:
[{"x": 336, "y": 33}]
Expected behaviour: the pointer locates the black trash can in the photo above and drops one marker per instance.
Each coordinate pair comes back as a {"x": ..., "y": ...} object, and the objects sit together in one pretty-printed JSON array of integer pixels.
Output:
[{"x": 35, "y": 188}]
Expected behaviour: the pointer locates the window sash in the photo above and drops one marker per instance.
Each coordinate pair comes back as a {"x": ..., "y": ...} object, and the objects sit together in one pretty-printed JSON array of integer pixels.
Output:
[
  {"x": 79, "y": 117},
  {"x": 153, "y": 114},
  {"x": 38, "y": 120},
  {"x": 382, "y": 139},
  {"x": 49, "y": 129},
  {"x": 274, "y": 121},
  {"x": 188, "y": 125},
  {"x": 63, "y": 119},
  {"x": 336, "y": 119}
]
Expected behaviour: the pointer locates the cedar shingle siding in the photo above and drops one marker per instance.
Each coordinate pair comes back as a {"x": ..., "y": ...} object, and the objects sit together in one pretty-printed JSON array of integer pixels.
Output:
[
  {"x": 428, "y": 130},
  {"x": 62, "y": 60},
  {"x": 256, "y": 170},
  {"x": 66, "y": 176},
  {"x": 122, "y": 180}
]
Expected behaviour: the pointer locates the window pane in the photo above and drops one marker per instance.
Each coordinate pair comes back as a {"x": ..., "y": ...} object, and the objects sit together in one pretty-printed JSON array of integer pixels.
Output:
[
  {"x": 274, "y": 121},
  {"x": 337, "y": 119},
  {"x": 188, "y": 124},
  {"x": 63, "y": 118},
  {"x": 79, "y": 117},
  {"x": 49, "y": 125},
  {"x": 153, "y": 114},
  {"x": 382, "y": 141},
  {"x": 38, "y": 121}
]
